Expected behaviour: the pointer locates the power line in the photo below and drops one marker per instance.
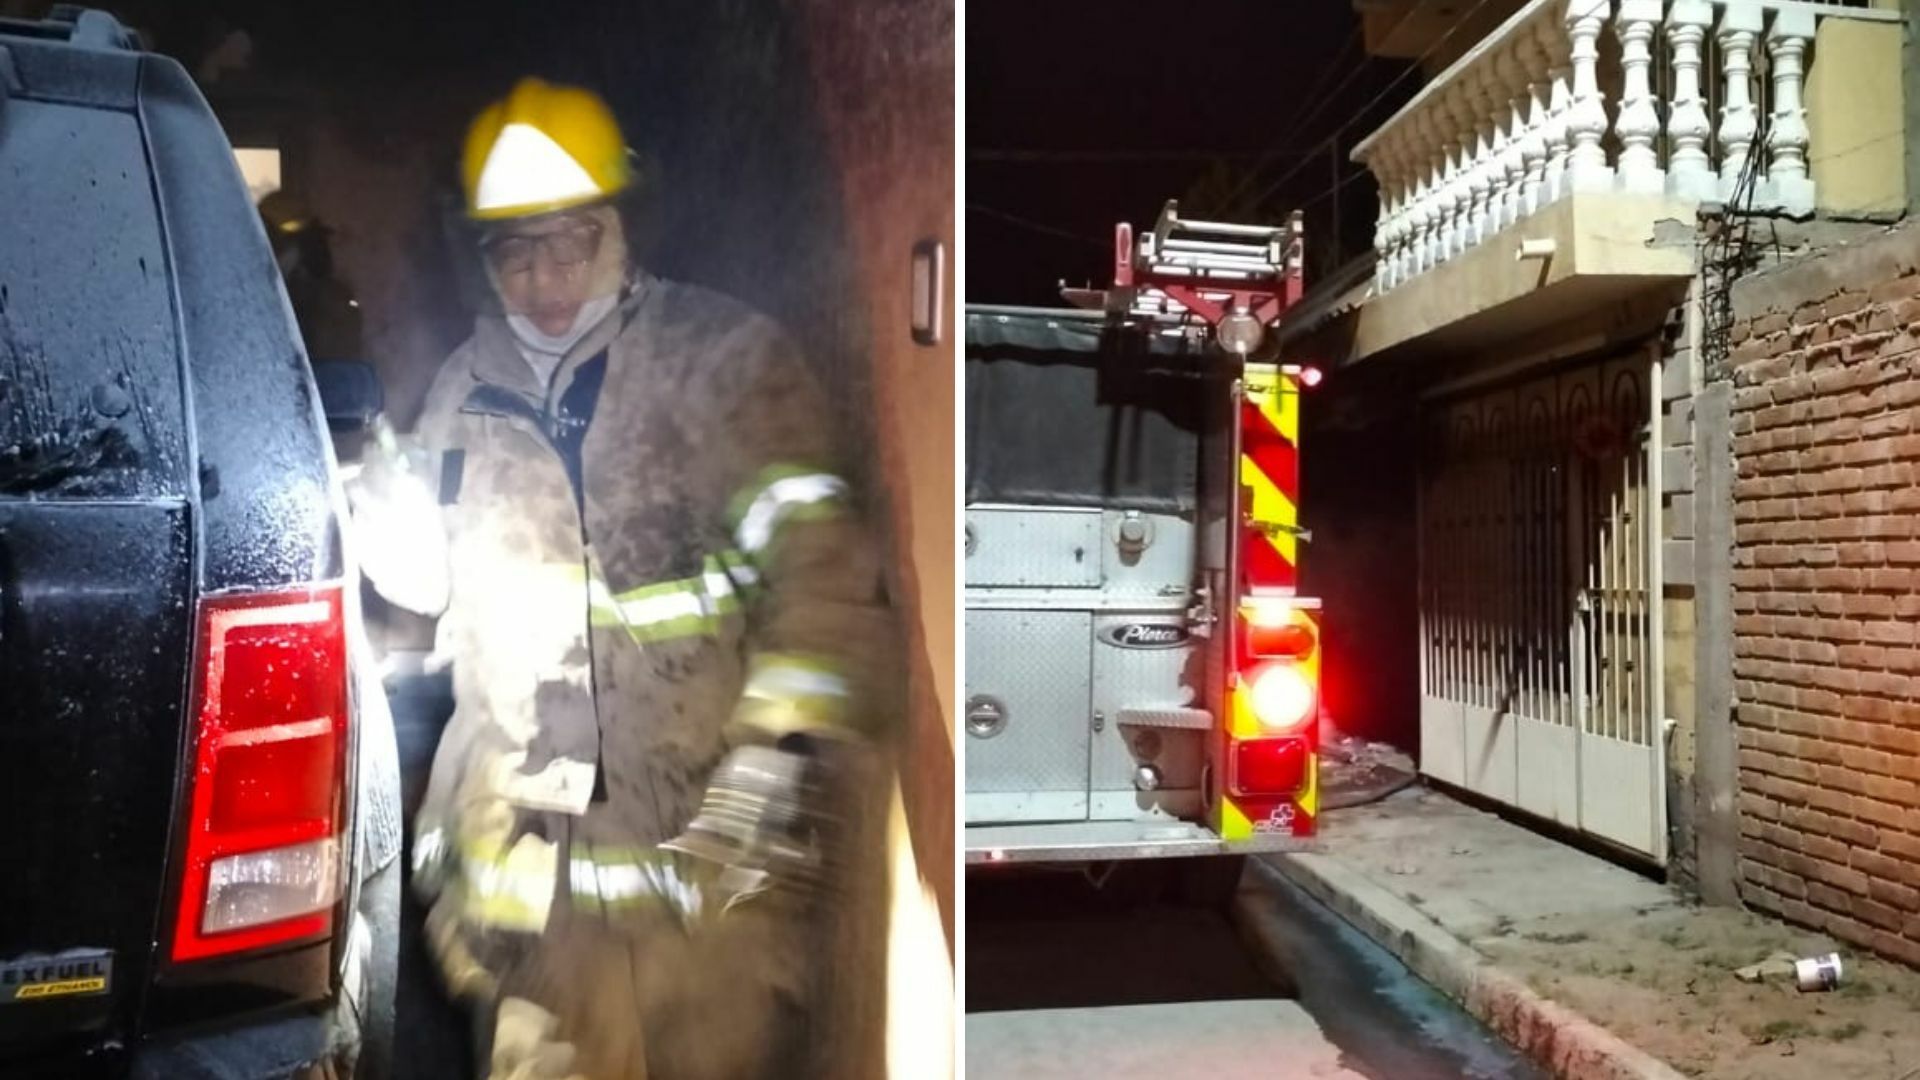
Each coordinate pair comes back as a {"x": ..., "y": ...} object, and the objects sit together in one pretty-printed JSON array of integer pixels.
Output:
[
  {"x": 1097, "y": 156},
  {"x": 1317, "y": 102},
  {"x": 1363, "y": 110},
  {"x": 1040, "y": 227}
]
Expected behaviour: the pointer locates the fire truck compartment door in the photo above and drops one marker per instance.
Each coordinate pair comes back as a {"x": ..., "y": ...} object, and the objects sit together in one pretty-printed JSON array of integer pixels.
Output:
[
  {"x": 1145, "y": 660},
  {"x": 1029, "y": 715},
  {"x": 1034, "y": 547}
]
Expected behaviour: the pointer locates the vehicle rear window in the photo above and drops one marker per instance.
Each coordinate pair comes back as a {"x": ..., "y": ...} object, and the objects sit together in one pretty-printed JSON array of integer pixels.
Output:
[
  {"x": 90, "y": 397},
  {"x": 1063, "y": 429}
]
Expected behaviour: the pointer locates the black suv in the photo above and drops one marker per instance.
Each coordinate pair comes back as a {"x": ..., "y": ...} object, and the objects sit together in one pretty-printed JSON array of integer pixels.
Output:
[{"x": 199, "y": 803}]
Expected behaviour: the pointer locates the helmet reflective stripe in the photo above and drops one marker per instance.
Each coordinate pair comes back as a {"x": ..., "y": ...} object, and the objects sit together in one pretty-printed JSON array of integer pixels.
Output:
[
  {"x": 777, "y": 501},
  {"x": 527, "y": 168}
]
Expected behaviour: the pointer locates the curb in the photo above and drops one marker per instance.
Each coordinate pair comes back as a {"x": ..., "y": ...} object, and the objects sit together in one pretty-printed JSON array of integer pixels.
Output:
[{"x": 1562, "y": 1041}]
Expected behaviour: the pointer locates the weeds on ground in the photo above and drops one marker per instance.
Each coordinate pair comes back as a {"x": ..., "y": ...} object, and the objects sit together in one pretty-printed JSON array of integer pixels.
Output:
[
  {"x": 1549, "y": 937},
  {"x": 1775, "y": 1030},
  {"x": 1846, "y": 1031}
]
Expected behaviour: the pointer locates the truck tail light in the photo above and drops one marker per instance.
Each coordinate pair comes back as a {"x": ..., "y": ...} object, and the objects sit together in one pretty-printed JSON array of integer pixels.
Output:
[
  {"x": 1283, "y": 697},
  {"x": 1273, "y": 628},
  {"x": 1267, "y": 766},
  {"x": 266, "y": 797}
]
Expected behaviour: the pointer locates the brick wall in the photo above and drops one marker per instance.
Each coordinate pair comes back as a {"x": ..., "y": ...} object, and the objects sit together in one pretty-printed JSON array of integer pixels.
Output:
[{"x": 1826, "y": 591}]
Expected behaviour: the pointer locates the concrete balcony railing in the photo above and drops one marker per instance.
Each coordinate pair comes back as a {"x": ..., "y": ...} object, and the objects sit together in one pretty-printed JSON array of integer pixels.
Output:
[{"x": 1675, "y": 99}]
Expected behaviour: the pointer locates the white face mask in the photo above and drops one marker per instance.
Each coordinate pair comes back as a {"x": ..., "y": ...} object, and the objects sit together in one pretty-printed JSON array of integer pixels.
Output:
[{"x": 537, "y": 340}]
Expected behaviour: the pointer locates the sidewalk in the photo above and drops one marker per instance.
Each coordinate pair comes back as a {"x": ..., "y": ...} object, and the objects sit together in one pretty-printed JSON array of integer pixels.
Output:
[{"x": 1591, "y": 969}]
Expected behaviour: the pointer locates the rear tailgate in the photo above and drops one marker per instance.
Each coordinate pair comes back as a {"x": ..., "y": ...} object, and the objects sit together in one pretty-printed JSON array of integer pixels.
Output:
[
  {"x": 96, "y": 552},
  {"x": 93, "y": 647}
]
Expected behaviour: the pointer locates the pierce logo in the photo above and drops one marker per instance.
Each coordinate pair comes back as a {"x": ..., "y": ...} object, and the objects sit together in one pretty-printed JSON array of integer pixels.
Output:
[{"x": 1146, "y": 636}]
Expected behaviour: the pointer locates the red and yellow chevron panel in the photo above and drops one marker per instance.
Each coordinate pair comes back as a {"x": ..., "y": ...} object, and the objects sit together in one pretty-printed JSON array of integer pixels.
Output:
[
  {"x": 1270, "y": 479},
  {"x": 1269, "y": 566}
]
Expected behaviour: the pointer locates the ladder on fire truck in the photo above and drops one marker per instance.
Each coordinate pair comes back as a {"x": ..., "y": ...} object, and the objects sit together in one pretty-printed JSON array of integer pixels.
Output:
[{"x": 1231, "y": 278}]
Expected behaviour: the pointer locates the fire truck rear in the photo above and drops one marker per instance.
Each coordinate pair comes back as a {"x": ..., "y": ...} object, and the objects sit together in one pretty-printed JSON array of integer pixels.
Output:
[{"x": 1142, "y": 673}]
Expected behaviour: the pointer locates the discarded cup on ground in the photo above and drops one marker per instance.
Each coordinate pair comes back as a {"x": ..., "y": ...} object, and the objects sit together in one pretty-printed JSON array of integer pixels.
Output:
[{"x": 1817, "y": 972}]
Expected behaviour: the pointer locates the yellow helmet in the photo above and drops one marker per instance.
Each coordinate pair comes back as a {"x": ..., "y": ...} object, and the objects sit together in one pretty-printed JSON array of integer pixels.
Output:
[
  {"x": 542, "y": 148},
  {"x": 285, "y": 212}
]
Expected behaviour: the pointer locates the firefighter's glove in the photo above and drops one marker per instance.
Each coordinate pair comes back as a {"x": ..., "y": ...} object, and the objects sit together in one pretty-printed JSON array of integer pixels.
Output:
[
  {"x": 433, "y": 863},
  {"x": 399, "y": 537},
  {"x": 755, "y": 826}
]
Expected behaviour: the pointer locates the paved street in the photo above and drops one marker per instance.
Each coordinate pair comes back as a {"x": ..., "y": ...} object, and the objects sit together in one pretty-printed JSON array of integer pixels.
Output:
[{"x": 1064, "y": 980}]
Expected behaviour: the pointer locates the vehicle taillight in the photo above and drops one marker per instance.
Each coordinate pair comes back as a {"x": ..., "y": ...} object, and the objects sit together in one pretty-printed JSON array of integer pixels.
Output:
[
  {"x": 1267, "y": 766},
  {"x": 1282, "y": 696},
  {"x": 267, "y": 792},
  {"x": 1275, "y": 628}
]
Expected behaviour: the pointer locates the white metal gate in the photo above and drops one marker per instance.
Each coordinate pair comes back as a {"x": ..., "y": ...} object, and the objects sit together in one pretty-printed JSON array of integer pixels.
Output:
[{"x": 1540, "y": 628}]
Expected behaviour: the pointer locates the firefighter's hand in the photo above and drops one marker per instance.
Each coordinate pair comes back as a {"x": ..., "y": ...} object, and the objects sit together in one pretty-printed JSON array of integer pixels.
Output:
[{"x": 399, "y": 537}]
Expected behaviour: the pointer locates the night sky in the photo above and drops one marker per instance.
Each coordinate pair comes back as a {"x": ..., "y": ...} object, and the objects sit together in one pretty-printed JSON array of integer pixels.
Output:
[{"x": 1082, "y": 115}]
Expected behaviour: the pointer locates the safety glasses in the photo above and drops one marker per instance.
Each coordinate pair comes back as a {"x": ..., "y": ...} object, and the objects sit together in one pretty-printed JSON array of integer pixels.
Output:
[{"x": 568, "y": 247}]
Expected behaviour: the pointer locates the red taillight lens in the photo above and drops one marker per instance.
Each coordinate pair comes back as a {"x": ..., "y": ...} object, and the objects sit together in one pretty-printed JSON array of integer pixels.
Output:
[
  {"x": 1282, "y": 696},
  {"x": 1292, "y": 640},
  {"x": 1267, "y": 766},
  {"x": 1273, "y": 628},
  {"x": 266, "y": 798}
]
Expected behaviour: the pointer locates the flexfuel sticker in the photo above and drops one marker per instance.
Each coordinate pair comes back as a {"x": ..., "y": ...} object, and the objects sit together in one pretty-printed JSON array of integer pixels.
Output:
[{"x": 40, "y": 977}]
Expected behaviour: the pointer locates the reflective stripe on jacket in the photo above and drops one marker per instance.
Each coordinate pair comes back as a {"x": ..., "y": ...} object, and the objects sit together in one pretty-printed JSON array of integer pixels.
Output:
[{"x": 710, "y": 582}]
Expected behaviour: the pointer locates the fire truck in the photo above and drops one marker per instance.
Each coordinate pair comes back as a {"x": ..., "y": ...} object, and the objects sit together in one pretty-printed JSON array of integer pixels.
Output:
[{"x": 1142, "y": 673}]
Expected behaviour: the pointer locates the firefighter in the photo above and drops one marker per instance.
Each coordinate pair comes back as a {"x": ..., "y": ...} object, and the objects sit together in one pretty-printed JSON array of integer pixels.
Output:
[
  {"x": 665, "y": 622},
  {"x": 323, "y": 304}
]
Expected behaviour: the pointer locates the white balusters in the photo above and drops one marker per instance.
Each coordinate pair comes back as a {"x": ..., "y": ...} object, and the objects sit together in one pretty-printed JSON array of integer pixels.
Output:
[
  {"x": 1740, "y": 23},
  {"x": 1513, "y": 164},
  {"x": 1689, "y": 171},
  {"x": 1638, "y": 122},
  {"x": 1479, "y": 101},
  {"x": 1533, "y": 144},
  {"x": 1522, "y": 120},
  {"x": 1396, "y": 185},
  {"x": 1788, "y": 187},
  {"x": 1553, "y": 39},
  {"x": 1457, "y": 202},
  {"x": 1587, "y": 168},
  {"x": 1427, "y": 216},
  {"x": 1388, "y": 178}
]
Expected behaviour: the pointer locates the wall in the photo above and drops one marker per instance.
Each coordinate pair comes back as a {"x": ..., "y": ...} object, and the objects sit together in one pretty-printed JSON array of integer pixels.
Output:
[
  {"x": 1856, "y": 117},
  {"x": 883, "y": 83},
  {"x": 1826, "y": 590},
  {"x": 1679, "y": 391}
]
